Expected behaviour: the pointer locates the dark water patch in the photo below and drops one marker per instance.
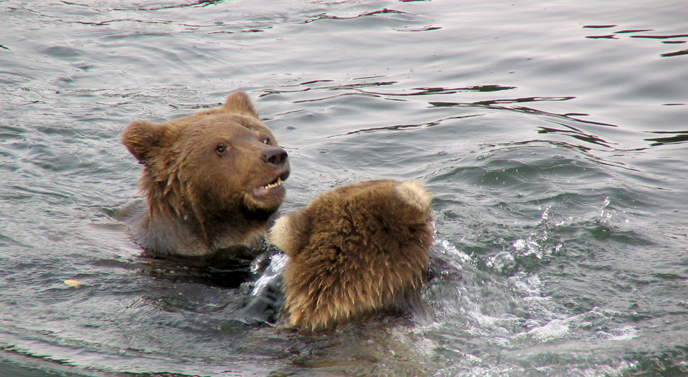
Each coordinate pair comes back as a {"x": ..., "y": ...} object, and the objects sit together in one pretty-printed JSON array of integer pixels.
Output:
[
  {"x": 489, "y": 88},
  {"x": 199, "y": 3},
  {"x": 660, "y": 36},
  {"x": 195, "y": 106},
  {"x": 271, "y": 91},
  {"x": 675, "y": 53},
  {"x": 309, "y": 84},
  {"x": 677, "y": 137},
  {"x": 427, "y": 28},
  {"x": 669, "y": 362},
  {"x": 423, "y": 91},
  {"x": 671, "y": 276},
  {"x": 532, "y": 160},
  {"x": 33, "y": 191},
  {"x": 629, "y": 31},
  {"x": 389, "y": 347},
  {"x": 319, "y": 81},
  {"x": 406, "y": 126},
  {"x": 179, "y": 272},
  {"x": 135, "y": 7},
  {"x": 7, "y": 241},
  {"x": 575, "y": 133},
  {"x": 109, "y": 22},
  {"x": 369, "y": 77},
  {"x": 16, "y": 363},
  {"x": 325, "y": 16},
  {"x": 356, "y": 87},
  {"x": 249, "y": 30},
  {"x": 609, "y": 36},
  {"x": 440, "y": 90},
  {"x": 334, "y": 97},
  {"x": 599, "y": 26},
  {"x": 673, "y": 42},
  {"x": 11, "y": 132},
  {"x": 501, "y": 101},
  {"x": 495, "y": 104}
]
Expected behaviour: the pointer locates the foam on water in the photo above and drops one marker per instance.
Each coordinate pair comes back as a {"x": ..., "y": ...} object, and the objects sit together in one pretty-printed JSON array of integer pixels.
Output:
[{"x": 532, "y": 318}]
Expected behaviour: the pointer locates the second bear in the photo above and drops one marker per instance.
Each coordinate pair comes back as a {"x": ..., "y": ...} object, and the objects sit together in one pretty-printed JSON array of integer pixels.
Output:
[
  {"x": 212, "y": 180},
  {"x": 355, "y": 250}
]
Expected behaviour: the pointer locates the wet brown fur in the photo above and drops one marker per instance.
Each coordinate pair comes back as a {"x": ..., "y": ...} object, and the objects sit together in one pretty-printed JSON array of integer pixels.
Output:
[
  {"x": 355, "y": 250},
  {"x": 201, "y": 201}
]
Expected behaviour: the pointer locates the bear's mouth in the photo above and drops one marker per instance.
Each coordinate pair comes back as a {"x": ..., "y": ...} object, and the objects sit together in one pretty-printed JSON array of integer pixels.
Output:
[
  {"x": 271, "y": 188},
  {"x": 277, "y": 182}
]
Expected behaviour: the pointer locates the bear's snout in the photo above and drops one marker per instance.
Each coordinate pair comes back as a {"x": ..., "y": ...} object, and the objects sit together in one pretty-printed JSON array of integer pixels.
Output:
[{"x": 275, "y": 156}]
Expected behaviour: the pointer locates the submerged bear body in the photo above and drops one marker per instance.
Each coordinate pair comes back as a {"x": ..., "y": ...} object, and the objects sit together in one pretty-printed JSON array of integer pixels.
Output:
[
  {"x": 211, "y": 181},
  {"x": 355, "y": 250}
]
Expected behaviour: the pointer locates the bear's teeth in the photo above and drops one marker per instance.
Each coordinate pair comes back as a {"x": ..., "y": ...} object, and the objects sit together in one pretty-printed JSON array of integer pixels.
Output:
[{"x": 271, "y": 185}]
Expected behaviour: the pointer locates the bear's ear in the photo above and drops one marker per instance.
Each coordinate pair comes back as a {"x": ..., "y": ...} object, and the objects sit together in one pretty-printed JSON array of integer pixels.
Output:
[
  {"x": 413, "y": 193},
  {"x": 141, "y": 137},
  {"x": 240, "y": 103},
  {"x": 290, "y": 232}
]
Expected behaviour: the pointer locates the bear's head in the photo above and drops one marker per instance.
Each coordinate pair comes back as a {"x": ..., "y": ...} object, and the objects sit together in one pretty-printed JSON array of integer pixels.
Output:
[
  {"x": 215, "y": 176},
  {"x": 355, "y": 250}
]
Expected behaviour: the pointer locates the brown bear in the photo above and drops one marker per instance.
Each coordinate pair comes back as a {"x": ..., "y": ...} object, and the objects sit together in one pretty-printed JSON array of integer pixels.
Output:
[
  {"x": 211, "y": 180},
  {"x": 355, "y": 250}
]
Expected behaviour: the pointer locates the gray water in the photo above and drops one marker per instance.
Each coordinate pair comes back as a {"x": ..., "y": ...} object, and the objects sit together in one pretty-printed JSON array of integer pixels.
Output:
[{"x": 552, "y": 133}]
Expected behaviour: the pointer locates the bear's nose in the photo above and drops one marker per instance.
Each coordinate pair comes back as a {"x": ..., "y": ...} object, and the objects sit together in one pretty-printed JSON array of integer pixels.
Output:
[{"x": 275, "y": 156}]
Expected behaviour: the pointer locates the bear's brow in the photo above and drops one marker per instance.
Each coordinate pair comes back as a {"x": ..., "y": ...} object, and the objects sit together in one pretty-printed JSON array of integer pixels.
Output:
[{"x": 250, "y": 124}]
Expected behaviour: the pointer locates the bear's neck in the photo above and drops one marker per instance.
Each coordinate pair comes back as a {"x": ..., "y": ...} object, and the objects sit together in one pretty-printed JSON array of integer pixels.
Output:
[{"x": 164, "y": 232}]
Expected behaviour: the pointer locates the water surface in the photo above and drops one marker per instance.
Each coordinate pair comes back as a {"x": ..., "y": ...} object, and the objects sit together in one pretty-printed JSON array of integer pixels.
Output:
[{"x": 551, "y": 132}]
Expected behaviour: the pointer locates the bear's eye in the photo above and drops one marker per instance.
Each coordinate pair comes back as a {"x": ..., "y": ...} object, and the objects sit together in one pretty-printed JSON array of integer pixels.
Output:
[
  {"x": 220, "y": 149},
  {"x": 266, "y": 141}
]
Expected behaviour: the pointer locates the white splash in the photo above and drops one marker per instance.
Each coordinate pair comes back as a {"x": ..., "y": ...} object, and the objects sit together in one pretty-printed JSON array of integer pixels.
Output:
[
  {"x": 554, "y": 329},
  {"x": 620, "y": 334},
  {"x": 500, "y": 262},
  {"x": 449, "y": 249},
  {"x": 274, "y": 270},
  {"x": 605, "y": 218}
]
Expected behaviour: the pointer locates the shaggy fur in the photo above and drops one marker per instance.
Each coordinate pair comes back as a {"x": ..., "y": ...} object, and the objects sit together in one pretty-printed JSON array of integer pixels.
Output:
[
  {"x": 211, "y": 180},
  {"x": 355, "y": 250}
]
